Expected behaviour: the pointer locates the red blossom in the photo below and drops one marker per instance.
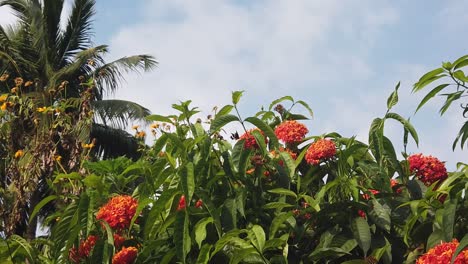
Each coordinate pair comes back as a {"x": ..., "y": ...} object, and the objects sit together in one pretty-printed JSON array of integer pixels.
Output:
[
  {"x": 84, "y": 249},
  {"x": 182, "y": 203},
  {"x": 199, "y": 203},
  {"x": 320, "y": 150},
  {"x": 427, "y": 169},
  {"x": 443, "y": 253},
  {"x": 367, "y": 196},
  {"x": 250, "y": 142},
  {"x": 394, "y": 183},
  {"x": 291, "y": 131},
  {"x": 118, "y": 212},
  {"x": 125, "y": 256},
  {"x": 118, "y": 240},
  {"x": 362, "y": 214}
]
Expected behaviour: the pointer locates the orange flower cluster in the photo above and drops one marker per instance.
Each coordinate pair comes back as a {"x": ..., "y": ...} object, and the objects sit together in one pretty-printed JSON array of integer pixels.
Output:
[
  {"x": 427, "y": 169},
  {"x": 118, "y": 212},
  {"x": 291, "y": 131},
  {"x": 276, "y": 155},
  {"x": 84, "y": 249},
  {"x": 250, "y": 142},
  {"x": 125, "y": 256},
  {"x": 443, "y": 253},
  {"x": 320, "y": 150}
]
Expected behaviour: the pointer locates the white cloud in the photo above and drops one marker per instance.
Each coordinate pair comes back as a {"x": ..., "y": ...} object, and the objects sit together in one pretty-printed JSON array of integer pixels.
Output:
[{"x": 6, "y": 17}]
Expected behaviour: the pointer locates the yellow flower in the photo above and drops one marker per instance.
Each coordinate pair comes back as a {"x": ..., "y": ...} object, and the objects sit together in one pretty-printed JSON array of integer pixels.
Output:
[
  {"x": 3, "y": 98},
  {"x": 4, "y": 106},
  {"x": 140, "y": 134},
  {"x": 19, "y": 154},
  {"x": 154, "y": 125},
  {"x": 19, "y": 81},
  {"x": 58, "y": 158},
  {"x": 41, "y": 109},
  {"x": 4, "y": 77},
  {"x": 28, "y": 83},
  {"x": 88, "y": 146},
  {"x": 135, "y": 127}
]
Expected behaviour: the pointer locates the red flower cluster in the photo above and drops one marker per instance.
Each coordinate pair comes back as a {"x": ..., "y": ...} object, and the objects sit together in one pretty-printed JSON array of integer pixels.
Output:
[
  {"x": 199, "y": 203},
  {"x": 118, "y": 212},
  {"x": 394, "y": 183},
  {"x": 291, "y": 131},
  {"x": 125, "y": 256},
  {"x": 443, "y": 253},
  {"x": 320, "y": 150},
  {"x": 84, "y": 249},
  {"x": 367, "y": 196},
  {"x": 250, "y": 142},
  {"x": 276, "y": 155},
  {"x": 182, "y": 203},
  {"x": 118, "y": 240},
  {"x": 427, "y": 169}
]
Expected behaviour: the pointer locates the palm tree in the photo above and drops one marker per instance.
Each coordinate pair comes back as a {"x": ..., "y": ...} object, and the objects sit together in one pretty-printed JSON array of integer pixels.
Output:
[{"x": 63, "y": 65}]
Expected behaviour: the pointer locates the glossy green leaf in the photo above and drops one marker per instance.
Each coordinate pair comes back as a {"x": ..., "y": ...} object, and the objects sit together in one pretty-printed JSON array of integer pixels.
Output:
[
  {"x": 283, "y": 191},
  {"x": 393, "y": 98},
  {"x": 279, "y": 100},
  {"x": 236, "y": 95},
  {"x": 361, "y": 232},
  {"x": 182, "y": 235},
  {"x": 221, "y": 121},
  {"x": 265, "y": 128},
  {"x": 431, "y": 94},
  {"x": 200, "y": 230}
]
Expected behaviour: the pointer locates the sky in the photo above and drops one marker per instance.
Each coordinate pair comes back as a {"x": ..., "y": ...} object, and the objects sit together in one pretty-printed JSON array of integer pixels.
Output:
[{"x": 343, "y": 57}]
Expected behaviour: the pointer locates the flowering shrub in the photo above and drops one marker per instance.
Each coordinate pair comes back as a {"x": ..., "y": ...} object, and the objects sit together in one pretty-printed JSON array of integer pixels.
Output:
[
  {"x": 118, "y": 211},
  {"x": 320, "y": 150},
  {"x": 250, "y": 142},
  {"x": 126, "y": 255},
  {"x": 84, "y": 249},
  {"x": 443, "y": 253},
  {"x": 291, "y": 131},
  {"x": 427, "y": 169}
]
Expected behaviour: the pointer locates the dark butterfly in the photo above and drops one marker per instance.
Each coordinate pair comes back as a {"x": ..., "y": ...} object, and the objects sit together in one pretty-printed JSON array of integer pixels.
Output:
[{"x": 235, "y": 136}]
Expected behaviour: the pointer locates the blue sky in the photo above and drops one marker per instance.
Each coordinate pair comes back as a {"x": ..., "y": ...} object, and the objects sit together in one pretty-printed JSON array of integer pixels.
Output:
[{"x": 343, "y": 57}]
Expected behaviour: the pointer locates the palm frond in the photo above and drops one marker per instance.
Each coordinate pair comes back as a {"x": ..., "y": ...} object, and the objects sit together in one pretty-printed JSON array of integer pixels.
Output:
[
  {"x": 109, "y": 75},
  {"x": 78, "y": 31},
  {"x": 112, "y": 142},
  {"x": 52, "y": 10},
  {"x": 79, "y": 63},
  {"x": 118, "y": 113}
]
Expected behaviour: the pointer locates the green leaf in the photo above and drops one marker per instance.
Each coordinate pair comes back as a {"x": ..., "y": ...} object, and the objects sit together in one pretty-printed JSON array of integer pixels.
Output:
[
  {"x": 279, "y": 100},
  {"x": 204, "y": 255},
  {"x": 32, "y": 257},
  {"x": 393, "y": 98},
  {"x": 435, "y": 238},
  {"x": 200, "y": 230},
  {"x": 225, "y": 110},
  {"x": 289, "y": 162},
  {"x": 277, "y": 222},
  {"x": 460, "y": 62},
  {"x": 431, "y": 94},
  {"x": 463, "y": 134},
  {"x": 41, "y": 204},
  {"x": 181, "y": 235},
  {"x": 361, "y": 232},
  {"x": 265, "y": 128},
  {"x": 450, "y": 98},
  {"x": 243, "y": 254},
  {"x": 380, "y": 214},
  {"x": 221, "y": 121},
  {"x": 448, "y": 218},
  {"x": 236, "y": 96},
  {"x": 355, "y": 261},
  {"x": 277, "y": 205},
  {"x": 463, "y": 244},
  {"x": 406, "y": 124},
  {"x": 258, "y": 237},
  {"x": 159, "y": 118},
  {"x": 187, "y": 180},
  {"x": 311, "y": 113},
  {"x": 428, "y": 78},
  {"x": 225, "y": 239},
  {"x": 283, "y": 192}
]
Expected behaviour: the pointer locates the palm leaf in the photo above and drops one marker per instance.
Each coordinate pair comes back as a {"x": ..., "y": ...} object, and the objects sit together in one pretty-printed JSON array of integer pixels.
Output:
[
  {"x": 118, "y": 113},
  {"x": 111, "y": 74},
  {"x": 52, "y": 11},
  {"x": 78, "y": 31},
  {"x": 112, "y": 142}
]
